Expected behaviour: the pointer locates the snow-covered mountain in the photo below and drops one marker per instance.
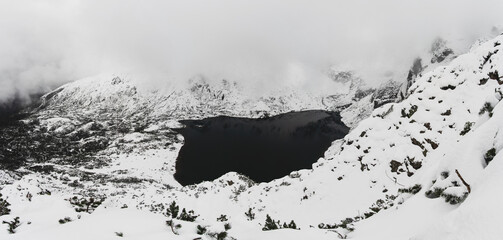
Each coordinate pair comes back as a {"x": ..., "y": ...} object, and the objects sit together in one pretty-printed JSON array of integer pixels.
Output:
[
  {"x": 426, "y": 167},
  {"x": 96, "y": 96}
]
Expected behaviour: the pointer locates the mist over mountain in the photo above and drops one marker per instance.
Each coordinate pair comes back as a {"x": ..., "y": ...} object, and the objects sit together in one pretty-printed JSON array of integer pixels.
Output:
[{"x": 260, "y": 44}]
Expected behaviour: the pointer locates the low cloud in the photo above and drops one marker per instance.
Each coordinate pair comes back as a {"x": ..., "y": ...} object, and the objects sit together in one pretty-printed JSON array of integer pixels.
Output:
[{"x": 45, "y": 43}]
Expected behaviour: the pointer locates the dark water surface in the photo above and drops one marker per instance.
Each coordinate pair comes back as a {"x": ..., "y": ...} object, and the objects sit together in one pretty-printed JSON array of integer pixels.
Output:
[{"x": 262, "y": 149}]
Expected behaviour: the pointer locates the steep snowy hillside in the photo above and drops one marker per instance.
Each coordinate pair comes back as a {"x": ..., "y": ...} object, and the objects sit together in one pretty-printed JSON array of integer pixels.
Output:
[{"x": 427, "y": 167}]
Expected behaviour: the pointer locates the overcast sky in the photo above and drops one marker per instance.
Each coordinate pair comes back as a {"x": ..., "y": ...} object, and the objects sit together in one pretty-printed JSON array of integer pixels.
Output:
[{"x": 44, "y": 43}]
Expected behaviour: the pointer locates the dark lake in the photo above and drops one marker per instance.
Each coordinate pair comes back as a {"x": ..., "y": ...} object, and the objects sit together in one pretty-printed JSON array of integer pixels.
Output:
[{"x": 262, "y": 149}]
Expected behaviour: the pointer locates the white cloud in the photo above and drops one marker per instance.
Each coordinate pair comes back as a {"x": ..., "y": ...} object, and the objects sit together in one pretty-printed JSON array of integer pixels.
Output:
[{"x": 44, "y": 43}]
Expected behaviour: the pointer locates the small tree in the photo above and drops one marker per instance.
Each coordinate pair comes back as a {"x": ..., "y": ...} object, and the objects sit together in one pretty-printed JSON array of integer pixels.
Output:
[
  {"x": 221, "y": 235},
  {"x": 222, "y": 218},
  {"x": 201, "y": 230},
  {"x": 172, "y": 210},
  {"x": 173, "y": 226},
  {"x": 270, "y": 224},
  {"x": 12, "y": 225},
  {"x": 487, "y": 107},
  {"x": 467, "y": 128},
  {"x": 4, "y": 206},
  {"x": 250, "y": 215},
  {"x": 86, "y": 205},
  {"x": 292, "y": 225},
  {"x": 412, "y": 190},
  {"x": 65, "y": 220},
  {"x": 490, "y": 154},
  {"x": 227, "y": 226},
  {"x": 187, "y": 216}
]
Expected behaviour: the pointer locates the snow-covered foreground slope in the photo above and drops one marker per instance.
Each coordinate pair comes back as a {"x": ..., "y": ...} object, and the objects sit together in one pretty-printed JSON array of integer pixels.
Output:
[{"x": 402, "y": 173}]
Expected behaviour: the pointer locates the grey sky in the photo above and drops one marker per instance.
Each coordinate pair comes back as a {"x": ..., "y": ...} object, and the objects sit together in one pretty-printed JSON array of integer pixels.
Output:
[{"x": 44, "y": 43}]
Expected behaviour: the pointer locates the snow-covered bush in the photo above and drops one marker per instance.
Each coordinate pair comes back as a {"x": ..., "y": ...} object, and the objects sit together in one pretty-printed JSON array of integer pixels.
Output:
[
  {"x": 4, "y": 206},
  {"x": 187, "y": 216},
  {"x": 65, "y": 220},
  {"x": 173, "y": 226},
  {"x": 173, "y": 209},
  {"x": 271, "y": 224},
  {"x": 454, "y": 196},
  {"x": 489, "y": 155},
  {"x": 218, "y": 236},
  {"x": 222, "y": 218},
  {"x": 86, "y": 204},
  {"x": 412, "y": 110},
  {"x": 412, "y": 190},
  {"x": 467, "y": 128},
  {"x": 291, "y": 225},
  {"x": 13, "y": 225},
  {"x": 448, "y": 187},
  {"x": 250, "y": 215},
  {"x": 201, "y": 230},
  {"x": 487, "y": 107},
  {"x": 434, "y": 192},
  {"x": 227, "y": 226}
]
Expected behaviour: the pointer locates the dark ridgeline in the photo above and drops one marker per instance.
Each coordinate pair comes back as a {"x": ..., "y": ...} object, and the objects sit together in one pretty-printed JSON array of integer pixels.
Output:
[{"x": 262, "y": 149}]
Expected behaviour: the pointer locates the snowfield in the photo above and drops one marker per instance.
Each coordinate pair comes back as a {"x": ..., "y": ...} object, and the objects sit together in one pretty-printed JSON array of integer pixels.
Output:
[{"x": 428, "y": 167}]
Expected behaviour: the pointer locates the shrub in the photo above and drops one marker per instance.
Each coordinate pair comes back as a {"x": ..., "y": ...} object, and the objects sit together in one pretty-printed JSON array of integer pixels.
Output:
[
  {"x": 173, "y": 226},
  {"x": 64, "y": 220},
  {"x": 292, "y": 225},
  {"x": 187, "y": 216},
  {"x": 218, "y": 236},
  {"x": 221, "y": 235},
  {"x": 201, "y": 230},
  {"x": 270, "y": 224},
  {"x": 454, "y": 199},
  {"x": 86, "y": 204},
  {"x": 345, "y": 222},
  {"x": 412, "y": 110},
  {"x": 250, "y": 215},
  {"x": 368, "y": 214},
  {"x": 446, "y": 113},
  {"x": 467, "y": 128},
  {"x": 4, "y": 206},
  {"x": 327, "y": 226},
  {"x": 487, "y": 107},
  {"x": 12, "y": 225},
  {"x": 488, "y": 157},
  {"x": 435, "y": 193},
  {"x": 172, "y": 210},
  {"x": 119, "y": 234},
  {"x": 413, "y": 190},
  {"x": 227, "y": 226},
  {"x": 222, "y": 218}
]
